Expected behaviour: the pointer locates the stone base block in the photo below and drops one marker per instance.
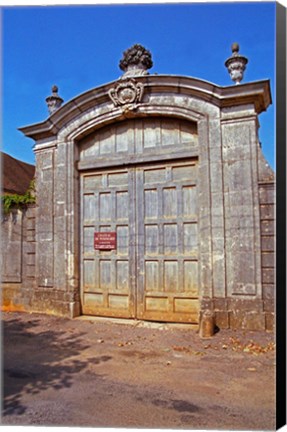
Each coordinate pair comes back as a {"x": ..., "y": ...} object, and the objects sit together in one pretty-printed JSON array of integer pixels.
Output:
[
  {"x": 247, "y": 320},
  {"x": 269, "y": 321},
  {"x": 14, "y": 298},
  {"x": 235, "y": 313},
  {"x": 222, "y": 319},
  {"x": 75, "y": 309}
]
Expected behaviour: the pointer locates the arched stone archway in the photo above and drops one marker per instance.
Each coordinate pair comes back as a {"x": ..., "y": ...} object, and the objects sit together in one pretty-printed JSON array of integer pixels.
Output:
[
  {"x": 139, "y": 182},
  {"x": 226, "y": 155}
]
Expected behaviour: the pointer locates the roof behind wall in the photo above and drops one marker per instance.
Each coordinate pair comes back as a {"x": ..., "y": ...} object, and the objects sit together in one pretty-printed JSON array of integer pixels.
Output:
[{"x": 16, "y": 175}]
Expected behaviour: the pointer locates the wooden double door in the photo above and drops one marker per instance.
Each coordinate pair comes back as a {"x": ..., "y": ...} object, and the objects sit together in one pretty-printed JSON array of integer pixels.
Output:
[{"x": 151, "y": 270}]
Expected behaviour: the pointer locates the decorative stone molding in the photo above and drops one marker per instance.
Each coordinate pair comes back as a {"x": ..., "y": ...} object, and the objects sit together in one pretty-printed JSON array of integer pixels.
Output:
[
  {"x": 54, "y": 101},
  {"x": 215, "y": 97},
  {"x": 135, "y": 62},
  {"x": 236, "y": 64},
  {"x": 127, "y": 94}
]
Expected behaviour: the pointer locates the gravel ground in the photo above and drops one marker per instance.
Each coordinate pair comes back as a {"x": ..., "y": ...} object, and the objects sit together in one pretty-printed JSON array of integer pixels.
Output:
[{"x": 130, "y": 374}]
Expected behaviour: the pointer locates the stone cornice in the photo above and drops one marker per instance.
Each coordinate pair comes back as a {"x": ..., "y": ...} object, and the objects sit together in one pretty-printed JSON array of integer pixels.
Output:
[{"x": 256, "y": 93}]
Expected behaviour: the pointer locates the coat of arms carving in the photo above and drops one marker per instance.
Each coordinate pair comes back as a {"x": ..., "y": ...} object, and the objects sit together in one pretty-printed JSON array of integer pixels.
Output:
[{"x": 127, "y": 92}]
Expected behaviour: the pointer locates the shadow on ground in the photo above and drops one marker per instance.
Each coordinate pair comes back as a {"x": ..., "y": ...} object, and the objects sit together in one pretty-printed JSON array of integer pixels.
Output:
[{"x": 27, "y": 370}]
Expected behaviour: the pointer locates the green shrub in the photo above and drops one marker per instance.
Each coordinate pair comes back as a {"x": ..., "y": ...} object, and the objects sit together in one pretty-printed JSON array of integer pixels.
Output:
[{"x": 16, "y": 201}]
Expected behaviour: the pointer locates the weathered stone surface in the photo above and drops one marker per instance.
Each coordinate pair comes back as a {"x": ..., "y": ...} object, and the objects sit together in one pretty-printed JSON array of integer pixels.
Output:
[
  {"x": 241, "y": 209},
  {"x": 17, "y": 245},
  {"x": 222, "y": 320},
  {"x": 268, "y": 275},
  {"x": 267, "y": 214},
  {"x": 268, "y": 291},
  {"x": 269, "y": 305},
  {"x": 268, "y": 243},
  {"x": 17, "y": 256},
  {"x": 267, "y": 211},
  {"x": 220, "y": 304},
  {"x": 11, "y": 242},
  {"x": 270, "y": 321},
  {"x": 11, "y": 293},
  {"x": 268, "y": 227},
  {"x": 247, "y": 320},
  {"x": 267, "y": 194},
  {"x": 45, "y": 217},
  {"x": 241, "y": 305},
  {"x": 206, "y": 303},
  {"x": 268, "y": 259}
]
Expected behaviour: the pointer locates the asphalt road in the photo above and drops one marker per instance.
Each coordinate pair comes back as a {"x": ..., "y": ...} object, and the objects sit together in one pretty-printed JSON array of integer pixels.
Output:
[{"x": 102, "y": 373}]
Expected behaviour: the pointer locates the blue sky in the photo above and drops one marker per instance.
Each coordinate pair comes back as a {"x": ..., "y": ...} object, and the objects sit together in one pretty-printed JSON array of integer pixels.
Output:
[{"x": 79, "y": 48}]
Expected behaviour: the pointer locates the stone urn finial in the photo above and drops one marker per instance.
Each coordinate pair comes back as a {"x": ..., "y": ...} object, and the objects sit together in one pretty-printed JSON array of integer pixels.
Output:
[
  {"x": 136, "y": 61},
  {"x": 54, "y": 101},
  {"x": 236, "y": 64}
]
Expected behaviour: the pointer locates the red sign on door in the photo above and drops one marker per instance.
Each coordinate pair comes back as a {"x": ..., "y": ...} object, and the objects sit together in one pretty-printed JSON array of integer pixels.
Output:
[{"x": 105, "y": 240}]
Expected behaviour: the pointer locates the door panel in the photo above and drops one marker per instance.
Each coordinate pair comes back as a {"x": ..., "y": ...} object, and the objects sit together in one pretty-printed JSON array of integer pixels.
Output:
[
  {"x": 167, "y": 247},
  {"x": 108, "y": 276},
  {"x": 153, "y": 272}
]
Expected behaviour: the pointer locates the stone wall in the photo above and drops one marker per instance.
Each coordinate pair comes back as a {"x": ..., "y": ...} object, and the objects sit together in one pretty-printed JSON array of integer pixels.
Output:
[
  {"x": 22, "y": 288},
  {"x": 17, "y": 259},
  {"x": 254, "y": 313},
  {"x": 267, "y": 222}
]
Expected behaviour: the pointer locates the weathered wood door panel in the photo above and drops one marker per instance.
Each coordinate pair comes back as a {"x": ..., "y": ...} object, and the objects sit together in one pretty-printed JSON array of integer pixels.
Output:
[
  {"x": 153, "y": 272},
  {"x": 108, "y": 276},
  {"x": 167, "y": 243}
]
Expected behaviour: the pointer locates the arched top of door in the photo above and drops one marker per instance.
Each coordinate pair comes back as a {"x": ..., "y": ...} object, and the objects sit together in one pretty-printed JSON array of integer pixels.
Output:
[{"x": 150, "y": 95}]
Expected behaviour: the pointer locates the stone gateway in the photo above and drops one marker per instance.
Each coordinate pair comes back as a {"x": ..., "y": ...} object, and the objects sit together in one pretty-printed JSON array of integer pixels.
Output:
[{"x": 170, "y": 170}]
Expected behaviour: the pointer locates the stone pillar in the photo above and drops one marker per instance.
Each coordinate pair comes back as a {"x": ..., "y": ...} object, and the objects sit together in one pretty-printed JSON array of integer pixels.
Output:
[
  {"x": 204, "y": 215},
  {"x": 211, "y": 217},
  {"x": 60, "y": 189},
  {"x": 45, "y": 217},
  {"x": 242, "y": 219},
  {"x": 66, "y": 228},
  {"x": 72, "y": 227},
  {"x": 56, "y": 229},
  {"x": 217, "y": 209}
]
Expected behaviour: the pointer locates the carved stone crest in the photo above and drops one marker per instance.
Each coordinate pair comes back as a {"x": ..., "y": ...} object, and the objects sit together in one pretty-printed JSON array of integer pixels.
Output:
[{"x": 127, "y": 93}]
